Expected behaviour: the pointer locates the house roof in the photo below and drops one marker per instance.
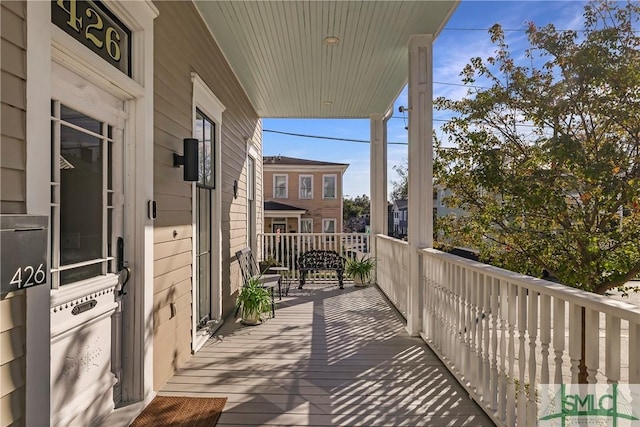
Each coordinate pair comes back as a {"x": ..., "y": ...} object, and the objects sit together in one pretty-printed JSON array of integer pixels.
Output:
[
  {"x": 282, "y": 160},
  {"x": 279, "y": 53},
  {"x": 402, "y": 203},
  {"x": 275, "y": 206}
]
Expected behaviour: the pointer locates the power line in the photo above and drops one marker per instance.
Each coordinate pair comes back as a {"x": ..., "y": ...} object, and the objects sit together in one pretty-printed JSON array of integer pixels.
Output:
[{"x": 301, "y": 135}]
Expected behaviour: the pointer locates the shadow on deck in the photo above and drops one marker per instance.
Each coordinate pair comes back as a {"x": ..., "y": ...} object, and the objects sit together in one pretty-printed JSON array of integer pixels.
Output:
[{"x": 330, "y": 357}]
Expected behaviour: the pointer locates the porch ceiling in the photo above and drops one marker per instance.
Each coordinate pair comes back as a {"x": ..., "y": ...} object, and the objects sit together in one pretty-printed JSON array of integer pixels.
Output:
[{"x": 276, "y": 50}]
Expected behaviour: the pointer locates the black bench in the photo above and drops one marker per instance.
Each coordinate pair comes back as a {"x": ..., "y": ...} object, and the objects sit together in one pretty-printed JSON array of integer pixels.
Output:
[{"x": 318, "y": 260}]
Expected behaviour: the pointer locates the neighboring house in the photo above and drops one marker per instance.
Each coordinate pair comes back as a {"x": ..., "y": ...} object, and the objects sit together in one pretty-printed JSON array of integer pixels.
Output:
[
  {"x": 302, "y": 195},
  {"x": 400, "y": 218}
]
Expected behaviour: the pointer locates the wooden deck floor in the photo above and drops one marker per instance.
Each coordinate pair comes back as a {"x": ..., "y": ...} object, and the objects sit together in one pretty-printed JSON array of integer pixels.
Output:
[{"x": 330, "y": 357}]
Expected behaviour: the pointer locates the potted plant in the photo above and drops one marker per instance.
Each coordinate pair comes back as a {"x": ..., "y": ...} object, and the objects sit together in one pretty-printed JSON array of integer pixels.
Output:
[
  {"x": 267, "y": 264},
  {"x": 252, "y": 301},
  {"x": 360, "y": 269}
]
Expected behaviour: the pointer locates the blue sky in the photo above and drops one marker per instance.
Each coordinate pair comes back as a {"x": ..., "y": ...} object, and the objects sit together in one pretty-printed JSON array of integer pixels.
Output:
[{"x": 464, "y": 37}]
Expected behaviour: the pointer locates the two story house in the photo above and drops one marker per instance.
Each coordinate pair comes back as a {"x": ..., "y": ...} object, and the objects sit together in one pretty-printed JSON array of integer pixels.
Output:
[{"x": 302, "y": 195}]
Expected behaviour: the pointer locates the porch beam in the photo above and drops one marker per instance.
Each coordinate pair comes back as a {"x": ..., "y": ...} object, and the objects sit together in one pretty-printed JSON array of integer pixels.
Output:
[
  {"x": 420, "y": 191},
  {"x": 378, "y": 167}
]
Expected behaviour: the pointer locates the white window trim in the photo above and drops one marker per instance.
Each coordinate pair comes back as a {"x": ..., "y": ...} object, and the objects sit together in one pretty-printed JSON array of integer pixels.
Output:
[
  {"x": 309, "y": 220},
  {"x": 206, "y": 101},
  {"x": 326, "y": 220},
  {"x": 335, "y": 186},
  {"x": 300, "y": 187},
  {"x": 286, "y": 185}
]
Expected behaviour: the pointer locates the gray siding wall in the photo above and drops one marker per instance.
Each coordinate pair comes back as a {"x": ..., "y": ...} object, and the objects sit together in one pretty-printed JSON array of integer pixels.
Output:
[
  {"x": 13, "y": 109},
  {"x": 13, "y": 66},
  {"x": 183, "y": 45}
]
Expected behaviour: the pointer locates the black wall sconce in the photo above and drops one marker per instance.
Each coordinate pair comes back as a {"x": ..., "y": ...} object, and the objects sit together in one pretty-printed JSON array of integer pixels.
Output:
[
  {"x": 235, "y": 188},
  {"x": 189, "y": 159}
]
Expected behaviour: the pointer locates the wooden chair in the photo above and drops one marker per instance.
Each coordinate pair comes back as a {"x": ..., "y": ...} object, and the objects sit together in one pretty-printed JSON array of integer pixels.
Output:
[{"x": 249, "y": 269}]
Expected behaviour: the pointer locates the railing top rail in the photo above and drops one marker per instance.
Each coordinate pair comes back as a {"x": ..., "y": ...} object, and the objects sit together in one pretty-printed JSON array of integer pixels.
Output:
[
  {"x": 586, "y": 299},
  {"x": 313, "y": 234},
  {"x": 391, "y": 239}
]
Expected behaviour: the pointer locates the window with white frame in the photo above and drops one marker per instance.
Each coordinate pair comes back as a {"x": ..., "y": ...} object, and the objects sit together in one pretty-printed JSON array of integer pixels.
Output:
[
  {"x": 306, "y": 225},
  {"x": 329, "y": 186},
  {"x": 306, "y": 186},
  {"x": 329, "y": 225},
  {"x": 280, "y": 186}
]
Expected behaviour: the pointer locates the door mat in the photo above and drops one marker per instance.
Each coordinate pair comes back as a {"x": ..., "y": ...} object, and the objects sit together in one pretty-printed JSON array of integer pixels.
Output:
[{"x": 176, "y": 411}]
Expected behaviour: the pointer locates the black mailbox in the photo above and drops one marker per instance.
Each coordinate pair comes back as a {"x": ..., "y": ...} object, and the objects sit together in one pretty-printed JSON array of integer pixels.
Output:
[{"x": 23, "y": 251}]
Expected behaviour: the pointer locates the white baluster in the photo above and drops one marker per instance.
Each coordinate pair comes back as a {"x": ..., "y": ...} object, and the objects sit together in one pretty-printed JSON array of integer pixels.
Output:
[
  {"x": 479, "y": 293},
  {"x": 472, "y": 322},
  {"x": 522, "y": 354},
  {"x": 532, "y": 329},
  {"x": 458, "y": 287},
  {"x": 495, "y": 291},
  {"x": 558, "y": 337},
  {"x": 502, "y": 389},
  {"x": 634, "y": 366},
  {"x": 466, "y": 323},
  {"x": 545, "y": 335},
  {"x": 486, "y": 330},
  {"x": 511, "y": 388},
  {"x": 612, "y": 349},
  {"x": 575, "y": 340},
  {"x": 592, "y": 343}
]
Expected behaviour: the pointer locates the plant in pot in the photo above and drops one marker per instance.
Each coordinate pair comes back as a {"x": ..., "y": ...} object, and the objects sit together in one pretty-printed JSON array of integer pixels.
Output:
[
  {"x": 360, "y": 269},
  {"x": 252, "y": 301},
  {"x": 267, "y": 264}
]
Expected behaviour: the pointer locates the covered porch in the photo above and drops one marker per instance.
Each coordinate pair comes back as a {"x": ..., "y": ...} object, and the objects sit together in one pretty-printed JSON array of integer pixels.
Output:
[{"x": 329, "y": 357}]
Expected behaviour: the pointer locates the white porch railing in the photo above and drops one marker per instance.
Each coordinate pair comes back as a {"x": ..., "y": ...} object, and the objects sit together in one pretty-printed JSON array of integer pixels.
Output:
[
  {"x": 392, "y": 270},
  {"x": 504, "y": 334},
  {"x": 285, "y": 247}
]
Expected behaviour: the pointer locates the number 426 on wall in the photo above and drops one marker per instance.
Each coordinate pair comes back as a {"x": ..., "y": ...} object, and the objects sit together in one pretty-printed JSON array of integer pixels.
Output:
[{"x": 29, "y": 275}]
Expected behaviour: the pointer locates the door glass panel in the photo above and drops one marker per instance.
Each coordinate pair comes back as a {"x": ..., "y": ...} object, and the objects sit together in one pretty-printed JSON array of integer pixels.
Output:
[
  {"x": 81, "y": 204},
  {"x": 203, "y": 249}
]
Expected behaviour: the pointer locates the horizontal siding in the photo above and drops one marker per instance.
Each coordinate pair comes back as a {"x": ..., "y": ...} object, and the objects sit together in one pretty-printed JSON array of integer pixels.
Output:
[
  {"x": 13, "y": 72},
  {"x": 177, "y": 54}
]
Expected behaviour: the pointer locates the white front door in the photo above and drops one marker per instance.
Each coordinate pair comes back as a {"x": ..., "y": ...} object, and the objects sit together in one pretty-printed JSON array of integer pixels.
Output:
[{"x": 87, "y": 248}]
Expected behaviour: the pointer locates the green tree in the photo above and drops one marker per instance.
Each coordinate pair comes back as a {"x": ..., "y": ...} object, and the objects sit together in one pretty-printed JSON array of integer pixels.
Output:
[
  {"x": 547, "y": 156},
  {"x": 400, "y": 190},
  {"x": 355, "y": 208}
]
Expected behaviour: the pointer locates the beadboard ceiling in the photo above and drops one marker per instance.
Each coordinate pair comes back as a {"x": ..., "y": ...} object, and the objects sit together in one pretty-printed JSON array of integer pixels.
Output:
[{"x": 276, "y": 50}]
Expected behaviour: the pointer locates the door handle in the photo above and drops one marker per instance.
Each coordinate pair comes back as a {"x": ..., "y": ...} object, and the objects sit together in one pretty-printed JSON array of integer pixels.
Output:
[{"x": 124, "y": 272}]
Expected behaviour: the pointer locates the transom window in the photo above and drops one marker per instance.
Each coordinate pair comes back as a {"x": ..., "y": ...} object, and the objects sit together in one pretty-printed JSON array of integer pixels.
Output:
[
  {"x": 84, "y": 195},
  {"x": 205, "y": 134},
  {"x": 306, "y": 225},
  {"x": 280, "y": 184},
  {"x": 306, "y": 186},
  {"x": 329, "y": 186}
]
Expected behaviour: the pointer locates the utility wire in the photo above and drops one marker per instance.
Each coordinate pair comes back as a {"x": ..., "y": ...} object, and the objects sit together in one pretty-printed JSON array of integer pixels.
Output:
[{"x": 301, "y": 135}]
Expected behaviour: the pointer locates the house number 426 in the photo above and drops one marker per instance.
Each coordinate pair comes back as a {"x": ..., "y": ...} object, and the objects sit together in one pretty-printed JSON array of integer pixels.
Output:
[
  {"x": 28, "y": 276},
  {"x": 93, "y": 28}
]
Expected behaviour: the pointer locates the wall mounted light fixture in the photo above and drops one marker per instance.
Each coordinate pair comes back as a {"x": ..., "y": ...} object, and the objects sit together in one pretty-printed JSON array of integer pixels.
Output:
[
  {"x": 235, "y": 188},
  {"x": 189, "y": 159}
]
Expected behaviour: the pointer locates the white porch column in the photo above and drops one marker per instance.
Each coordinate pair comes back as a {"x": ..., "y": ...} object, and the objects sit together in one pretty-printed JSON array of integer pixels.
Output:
[
  {"x": 378, "y": 168},
  {"x": 420, "y": 211}
]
